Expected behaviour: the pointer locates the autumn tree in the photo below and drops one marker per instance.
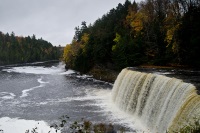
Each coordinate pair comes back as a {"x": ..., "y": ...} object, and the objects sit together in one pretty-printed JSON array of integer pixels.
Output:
[
  {"x": 155, "y": 32},
  {"x": 16, "y": 49}
]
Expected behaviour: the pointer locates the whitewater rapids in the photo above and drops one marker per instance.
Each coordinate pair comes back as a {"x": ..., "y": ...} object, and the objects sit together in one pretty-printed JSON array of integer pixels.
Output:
[{"x": 160, "y": 102}]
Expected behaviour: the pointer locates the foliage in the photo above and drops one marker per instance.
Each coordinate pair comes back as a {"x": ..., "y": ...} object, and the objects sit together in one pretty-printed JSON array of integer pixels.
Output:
[
  {"x": 189, "y": 37},
  {"x": 17, "y": 49},
  {"x": 85, "y": 126},
  {"x": 155, "y": 32},
  {"x": 82, "y": 126}
]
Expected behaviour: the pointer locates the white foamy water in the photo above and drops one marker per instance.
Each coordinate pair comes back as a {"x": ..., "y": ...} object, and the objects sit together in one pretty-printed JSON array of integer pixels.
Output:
[
  {"x": 40, "y": 70},
  {"x": 25, "y": 92},
  {"x": 34, "y": 70},
  {"x": 68, "y": 72},
  {"x": 15, "y": 125},
  {"x": 160, "y": 102},
  {"x": 7, "y": 95},
  {"x": 102, "y": 97}
]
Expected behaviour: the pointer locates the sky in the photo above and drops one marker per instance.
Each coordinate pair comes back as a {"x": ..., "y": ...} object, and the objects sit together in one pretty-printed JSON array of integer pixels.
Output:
[{"x": 52, "y": 20}]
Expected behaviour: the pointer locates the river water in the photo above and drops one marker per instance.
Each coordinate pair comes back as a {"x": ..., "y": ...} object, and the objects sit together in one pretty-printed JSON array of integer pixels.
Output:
[
  {"x": 43, "y": 92},
  {"x": 37, "y": 94}
]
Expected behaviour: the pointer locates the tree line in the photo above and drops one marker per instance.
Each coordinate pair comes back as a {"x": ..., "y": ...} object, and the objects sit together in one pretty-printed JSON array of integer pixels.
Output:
[
  {"x": 152, "y": 32},
  {"x": 18, "y": 49}
]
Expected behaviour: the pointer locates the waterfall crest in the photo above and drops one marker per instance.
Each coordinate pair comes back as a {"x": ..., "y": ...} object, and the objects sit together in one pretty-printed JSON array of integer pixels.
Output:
[{"x": 161, "y": 103}]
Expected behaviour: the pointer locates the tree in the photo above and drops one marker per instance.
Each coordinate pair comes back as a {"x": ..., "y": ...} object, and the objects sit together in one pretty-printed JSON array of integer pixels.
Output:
[
  {"x": 189, "y": 37},
  {"x": 15, "y": 49},
  {"x": 155, "y": 32}
]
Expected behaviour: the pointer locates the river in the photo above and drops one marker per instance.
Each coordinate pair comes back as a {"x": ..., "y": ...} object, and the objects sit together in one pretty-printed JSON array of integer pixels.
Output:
[{"x": 37, "y": 94}]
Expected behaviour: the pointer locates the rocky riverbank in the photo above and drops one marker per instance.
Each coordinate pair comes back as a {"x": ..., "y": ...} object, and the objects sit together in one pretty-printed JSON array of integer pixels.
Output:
[{"x": 104, "y": 74}]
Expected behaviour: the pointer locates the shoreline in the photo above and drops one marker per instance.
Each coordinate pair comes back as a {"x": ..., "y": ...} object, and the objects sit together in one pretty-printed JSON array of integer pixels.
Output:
[
  {"x": 172, "y": 66},
  {"x": 27, "y": 63},
  {"x": 104, "y": 74},
  {"x": 110, "y": 75}
]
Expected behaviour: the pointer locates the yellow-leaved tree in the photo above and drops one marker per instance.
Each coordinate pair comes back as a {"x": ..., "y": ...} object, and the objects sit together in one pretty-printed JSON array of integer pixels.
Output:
[{"x": 67, "y": 55}]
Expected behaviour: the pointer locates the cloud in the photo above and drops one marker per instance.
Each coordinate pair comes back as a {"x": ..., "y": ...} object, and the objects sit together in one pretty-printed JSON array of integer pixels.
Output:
[{"x": 53, "y": 20}]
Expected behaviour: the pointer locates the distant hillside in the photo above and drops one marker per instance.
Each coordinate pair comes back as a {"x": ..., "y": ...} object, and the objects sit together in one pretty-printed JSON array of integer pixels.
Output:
[{"x": 17, "y": 49}]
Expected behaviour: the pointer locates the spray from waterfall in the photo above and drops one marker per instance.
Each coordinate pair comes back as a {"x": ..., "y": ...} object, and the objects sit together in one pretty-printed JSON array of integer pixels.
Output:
[{"x": 160, "y": 102}]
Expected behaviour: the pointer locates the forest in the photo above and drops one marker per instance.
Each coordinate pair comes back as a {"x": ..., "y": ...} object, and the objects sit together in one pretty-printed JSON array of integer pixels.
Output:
[
  {"x": 18, "y": 49},
  {"x": 152, "y": 32}
]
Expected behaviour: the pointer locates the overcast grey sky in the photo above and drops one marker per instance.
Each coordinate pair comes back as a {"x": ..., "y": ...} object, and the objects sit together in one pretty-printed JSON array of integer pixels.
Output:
[{"x": 53, "y": 20}]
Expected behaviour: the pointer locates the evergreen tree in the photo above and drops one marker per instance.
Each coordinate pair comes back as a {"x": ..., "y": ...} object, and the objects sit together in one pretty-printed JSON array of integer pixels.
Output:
[
  {"x": 154, "y": 32},
  {"x": 15, "y": 49}
]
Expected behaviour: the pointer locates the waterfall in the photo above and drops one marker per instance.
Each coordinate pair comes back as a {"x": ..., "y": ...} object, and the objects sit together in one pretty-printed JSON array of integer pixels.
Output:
[{"x": 160, "y": 102}]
